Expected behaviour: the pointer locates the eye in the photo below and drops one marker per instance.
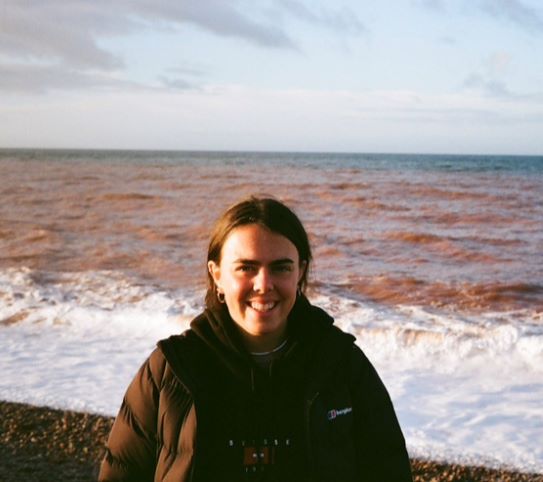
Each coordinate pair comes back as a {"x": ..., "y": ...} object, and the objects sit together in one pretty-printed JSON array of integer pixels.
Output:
[
  {"x": 245, "y": 268},
  {"x": 283, "y": 268}
]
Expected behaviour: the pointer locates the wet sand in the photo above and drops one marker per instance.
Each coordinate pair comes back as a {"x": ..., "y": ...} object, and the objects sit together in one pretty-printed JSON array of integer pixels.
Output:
[{"x": 44, "y": 444}]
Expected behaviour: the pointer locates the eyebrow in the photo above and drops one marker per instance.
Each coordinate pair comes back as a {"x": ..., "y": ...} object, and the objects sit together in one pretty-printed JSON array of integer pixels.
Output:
[{"x": 255, "y": 263}]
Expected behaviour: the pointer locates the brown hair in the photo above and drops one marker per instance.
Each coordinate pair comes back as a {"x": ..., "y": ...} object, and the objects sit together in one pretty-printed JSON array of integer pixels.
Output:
[{"x": 267, "y": 212}]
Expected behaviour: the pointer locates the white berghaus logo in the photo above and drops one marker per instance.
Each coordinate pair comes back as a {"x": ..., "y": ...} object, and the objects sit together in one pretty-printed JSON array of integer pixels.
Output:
[{"x": 332, "y": 414}]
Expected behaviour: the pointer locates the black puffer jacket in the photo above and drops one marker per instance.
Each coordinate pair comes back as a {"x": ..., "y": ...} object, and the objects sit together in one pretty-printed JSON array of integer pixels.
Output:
[{"x": 200, "y": 410}]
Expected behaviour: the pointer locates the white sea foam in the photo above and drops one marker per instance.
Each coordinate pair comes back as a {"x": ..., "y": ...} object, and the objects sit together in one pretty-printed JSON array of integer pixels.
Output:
[
  {"x": 82, "y": 338},
  {"x": 466, "y": 388}
]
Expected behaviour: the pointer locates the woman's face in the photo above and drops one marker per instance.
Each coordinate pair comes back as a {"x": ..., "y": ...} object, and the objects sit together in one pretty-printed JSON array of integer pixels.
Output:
[{"x": 259, "y": 274}]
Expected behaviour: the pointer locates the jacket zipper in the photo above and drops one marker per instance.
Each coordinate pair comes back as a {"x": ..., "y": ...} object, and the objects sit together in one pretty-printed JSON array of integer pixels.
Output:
[{"x": 309, "y": 406}]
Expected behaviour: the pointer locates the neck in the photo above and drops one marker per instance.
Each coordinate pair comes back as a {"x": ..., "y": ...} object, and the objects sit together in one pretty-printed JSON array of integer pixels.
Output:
[
  {"x": 263, "y": 343},
  {"x": 270, "y": 352}
]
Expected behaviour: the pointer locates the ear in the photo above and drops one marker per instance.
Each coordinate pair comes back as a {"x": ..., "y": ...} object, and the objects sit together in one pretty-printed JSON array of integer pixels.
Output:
[{"x": 215, "y": 271}]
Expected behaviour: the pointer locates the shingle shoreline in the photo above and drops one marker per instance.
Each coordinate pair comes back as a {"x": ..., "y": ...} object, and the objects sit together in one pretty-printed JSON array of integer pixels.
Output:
[{"x": 45, "y": 444}]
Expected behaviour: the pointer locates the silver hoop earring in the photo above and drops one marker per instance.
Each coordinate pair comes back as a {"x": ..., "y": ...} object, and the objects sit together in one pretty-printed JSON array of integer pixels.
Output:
[{"x": 220, "y": 296}]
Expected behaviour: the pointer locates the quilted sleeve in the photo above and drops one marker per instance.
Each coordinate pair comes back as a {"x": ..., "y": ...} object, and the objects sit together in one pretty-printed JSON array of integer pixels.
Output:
[
  {"x": 131, "y": 446},
  {"x": 381, "y": 451}
]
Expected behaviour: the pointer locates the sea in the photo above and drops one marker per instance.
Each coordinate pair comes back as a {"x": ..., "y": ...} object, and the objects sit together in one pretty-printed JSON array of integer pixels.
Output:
[{"x": 433, "y": 262}]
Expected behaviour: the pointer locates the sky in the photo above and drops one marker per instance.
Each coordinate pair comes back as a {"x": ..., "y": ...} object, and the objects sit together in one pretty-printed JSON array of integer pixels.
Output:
[{"x": 414, "y": 76}]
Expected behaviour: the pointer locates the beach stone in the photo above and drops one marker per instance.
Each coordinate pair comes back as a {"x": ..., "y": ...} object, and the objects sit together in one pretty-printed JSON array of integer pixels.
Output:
[{"x": 42, "y": 444}]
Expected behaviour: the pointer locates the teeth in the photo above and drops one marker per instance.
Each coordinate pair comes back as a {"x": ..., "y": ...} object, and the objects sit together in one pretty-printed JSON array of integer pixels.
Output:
[{"x": 262, "y": 306}]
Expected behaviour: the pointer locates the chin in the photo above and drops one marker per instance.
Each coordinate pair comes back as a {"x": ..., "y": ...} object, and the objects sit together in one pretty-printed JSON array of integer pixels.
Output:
[{"x": 262, "y": 329}]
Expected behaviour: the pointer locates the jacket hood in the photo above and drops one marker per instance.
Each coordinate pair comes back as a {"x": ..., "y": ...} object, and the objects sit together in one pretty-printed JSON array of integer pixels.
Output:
[
  {"x": 313, "y": 340},
  {"x": 219, "y": 332},
  {"x": 308, "y": 329}
]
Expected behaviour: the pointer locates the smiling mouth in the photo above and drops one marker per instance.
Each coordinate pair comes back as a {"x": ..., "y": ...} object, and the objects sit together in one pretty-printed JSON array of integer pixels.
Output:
[{"x": 263, "y": 307}]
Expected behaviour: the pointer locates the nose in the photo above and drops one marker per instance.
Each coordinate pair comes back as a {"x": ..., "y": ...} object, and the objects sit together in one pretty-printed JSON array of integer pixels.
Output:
[{"x": 263, "y": 282}]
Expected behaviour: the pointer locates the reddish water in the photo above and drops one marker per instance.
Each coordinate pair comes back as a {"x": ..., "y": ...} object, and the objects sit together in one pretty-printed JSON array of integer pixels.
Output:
[{"x": 464, "y": 240}]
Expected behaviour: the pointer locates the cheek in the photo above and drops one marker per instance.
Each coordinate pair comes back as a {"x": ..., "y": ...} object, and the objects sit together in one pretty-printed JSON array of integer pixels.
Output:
[
  {"x": 235, "y": 295},
  {"x": 234, "y": 287},
  {"x": 288, "y": 287}
]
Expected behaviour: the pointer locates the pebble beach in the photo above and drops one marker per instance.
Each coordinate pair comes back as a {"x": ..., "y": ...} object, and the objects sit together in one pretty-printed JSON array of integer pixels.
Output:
[{"x": 45, "y": 444}]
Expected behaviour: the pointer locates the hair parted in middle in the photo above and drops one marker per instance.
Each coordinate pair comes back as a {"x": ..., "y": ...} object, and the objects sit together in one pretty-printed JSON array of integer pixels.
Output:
[{"x": 264, "y": 211}]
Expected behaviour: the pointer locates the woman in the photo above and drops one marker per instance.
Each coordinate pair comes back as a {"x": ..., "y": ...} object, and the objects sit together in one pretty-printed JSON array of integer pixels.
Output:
[{"x": 262, "y": 386}]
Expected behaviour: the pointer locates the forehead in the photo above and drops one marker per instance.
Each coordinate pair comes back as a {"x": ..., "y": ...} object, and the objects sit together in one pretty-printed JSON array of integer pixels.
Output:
[{"x": 258, "y": 243}]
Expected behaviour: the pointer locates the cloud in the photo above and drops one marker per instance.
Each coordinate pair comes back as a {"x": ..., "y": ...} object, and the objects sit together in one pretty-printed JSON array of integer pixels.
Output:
[
  {"x": 490, "y": 87},
  {"x": 515, "y": 12},
  {"x": 432, "y": 5},
  {"x": 217, "y": 16},
  {"x": 70, "y": 31},
  {"x": 177, "y": 78},
  {"x": 447, "y": 40},
  {"x": 487, "y": 79},
  {"x": 37, "y": 79},
  {"x": 61, "y": 43},
  {"x": 36, "y": 31},
  {"x": 341, "y": 20},
  {"x": 512, "y": 11},
  {"x": 176, "y": 83},
  {"x": 56, "y": 45}
]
